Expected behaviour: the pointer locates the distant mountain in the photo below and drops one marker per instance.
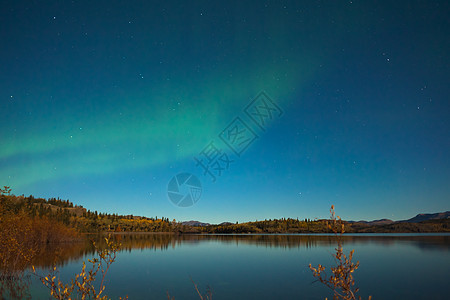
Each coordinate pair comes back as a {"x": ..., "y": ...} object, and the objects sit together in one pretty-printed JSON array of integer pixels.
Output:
[
  {"x": 225, "y": 224},
  {"x": 195, "y": 223},
  {"x": 375, "y": 222},
  {"x": 381, "y": 222},
  {"x": 427, "y": 217},
  {"x": 416, "y": 219}
]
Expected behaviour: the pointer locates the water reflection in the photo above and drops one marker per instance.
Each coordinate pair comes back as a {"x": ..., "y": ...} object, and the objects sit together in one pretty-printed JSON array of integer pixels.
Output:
[{"x": 64, "y": 254}]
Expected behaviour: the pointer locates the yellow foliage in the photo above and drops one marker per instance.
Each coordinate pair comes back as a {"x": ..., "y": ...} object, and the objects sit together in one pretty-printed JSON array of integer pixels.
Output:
[
  {"x": 82, "y": 286},
  {"x": 341, "y": 280}
]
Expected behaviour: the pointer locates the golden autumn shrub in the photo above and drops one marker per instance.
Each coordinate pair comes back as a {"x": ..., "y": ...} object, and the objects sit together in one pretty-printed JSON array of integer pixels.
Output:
[{"x": 22, "y": 236}]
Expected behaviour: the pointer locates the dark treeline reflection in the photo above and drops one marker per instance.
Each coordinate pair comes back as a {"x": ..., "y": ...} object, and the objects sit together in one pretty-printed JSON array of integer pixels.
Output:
[{"x": 65, "y": 253}]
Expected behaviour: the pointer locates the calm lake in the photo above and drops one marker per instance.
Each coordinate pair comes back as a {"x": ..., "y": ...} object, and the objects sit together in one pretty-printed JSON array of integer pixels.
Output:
[{"x": 394, "y": 266}]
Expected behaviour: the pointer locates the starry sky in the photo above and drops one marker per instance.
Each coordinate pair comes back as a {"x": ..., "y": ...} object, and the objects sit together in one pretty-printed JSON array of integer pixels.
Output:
[{"x": 103, "y": 102}]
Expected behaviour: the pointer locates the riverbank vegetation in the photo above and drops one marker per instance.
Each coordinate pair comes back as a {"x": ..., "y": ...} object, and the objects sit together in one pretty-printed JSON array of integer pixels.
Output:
[{"x": 23, "y": 235}]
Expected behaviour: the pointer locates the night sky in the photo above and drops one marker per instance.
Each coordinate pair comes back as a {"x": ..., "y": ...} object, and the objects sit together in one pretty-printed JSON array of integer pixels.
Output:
[{"x": 103, "y": 102}]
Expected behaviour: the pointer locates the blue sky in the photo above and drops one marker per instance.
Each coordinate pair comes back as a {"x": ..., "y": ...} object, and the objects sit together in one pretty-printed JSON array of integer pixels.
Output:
[{"x": 104, "y": 102}]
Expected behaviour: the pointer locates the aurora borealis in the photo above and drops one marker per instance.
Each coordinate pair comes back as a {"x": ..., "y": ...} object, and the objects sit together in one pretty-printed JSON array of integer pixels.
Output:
[{"x": 102, "y": 102}]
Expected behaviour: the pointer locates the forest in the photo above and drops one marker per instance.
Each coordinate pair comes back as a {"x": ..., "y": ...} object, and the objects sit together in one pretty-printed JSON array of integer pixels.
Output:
[{"x": 56, "y": 219}]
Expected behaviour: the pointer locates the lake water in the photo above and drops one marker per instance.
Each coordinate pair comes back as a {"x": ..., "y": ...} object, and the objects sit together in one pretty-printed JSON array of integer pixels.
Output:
[{"x": 399, "y": 266}]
